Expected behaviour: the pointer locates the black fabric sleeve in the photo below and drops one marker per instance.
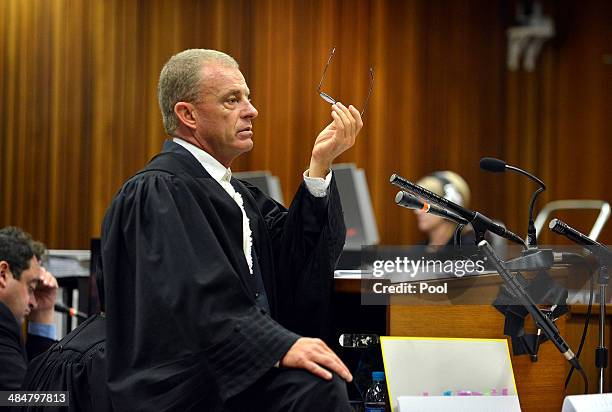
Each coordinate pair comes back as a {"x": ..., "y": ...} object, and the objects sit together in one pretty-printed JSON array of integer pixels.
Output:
[
  {"x": 13, "y": 363},
  {"x": 308, "y": 240}
]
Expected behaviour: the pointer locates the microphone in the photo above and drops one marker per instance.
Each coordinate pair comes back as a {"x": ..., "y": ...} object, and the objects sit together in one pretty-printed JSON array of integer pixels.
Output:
[
  {"x": 491, "y": 164},
  {"x": 72, "y": 312},
  {"x": 516, "y": 288},
  {"x": 479, "y": 222},
  {"x": 562, "y": 228},
  {"x": 412, "y": 202}
]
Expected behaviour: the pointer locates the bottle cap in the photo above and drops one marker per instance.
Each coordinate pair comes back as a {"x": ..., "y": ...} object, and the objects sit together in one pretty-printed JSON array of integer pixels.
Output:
[{"x": 378, "y": 376}]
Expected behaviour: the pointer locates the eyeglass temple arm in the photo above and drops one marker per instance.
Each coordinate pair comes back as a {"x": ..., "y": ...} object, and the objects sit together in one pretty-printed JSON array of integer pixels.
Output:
[
  {"x": 365, "y": 105},
  {"x": 325, "y": 70}
]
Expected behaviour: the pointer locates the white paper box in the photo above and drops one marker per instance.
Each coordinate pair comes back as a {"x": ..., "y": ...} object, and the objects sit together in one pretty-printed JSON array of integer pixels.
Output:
[
  {"x": 435, "y": 365},
  {"x": 588, "y": 403}
]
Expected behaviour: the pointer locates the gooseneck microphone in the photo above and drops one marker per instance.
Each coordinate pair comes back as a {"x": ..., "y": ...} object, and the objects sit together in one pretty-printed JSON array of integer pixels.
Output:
[
  {"x": 562, "y": 228},
  {"x": 412, "y": 202},
  {"x": 479, "y": 222},
  {"x": 491, "y": 164}
]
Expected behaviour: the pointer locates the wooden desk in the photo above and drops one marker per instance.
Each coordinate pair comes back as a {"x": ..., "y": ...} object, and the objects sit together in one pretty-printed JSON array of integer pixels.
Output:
[{"x": 539, "y": 384}]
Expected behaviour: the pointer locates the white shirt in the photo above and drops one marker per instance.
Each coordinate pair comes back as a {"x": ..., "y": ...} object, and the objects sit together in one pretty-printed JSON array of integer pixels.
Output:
[{"x": 317, "y": 186}]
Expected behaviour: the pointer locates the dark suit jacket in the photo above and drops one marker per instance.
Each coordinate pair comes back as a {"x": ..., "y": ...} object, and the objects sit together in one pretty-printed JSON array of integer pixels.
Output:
[
  {"x": 13, "y": 354},
  {"x": 184, "y": 329}
]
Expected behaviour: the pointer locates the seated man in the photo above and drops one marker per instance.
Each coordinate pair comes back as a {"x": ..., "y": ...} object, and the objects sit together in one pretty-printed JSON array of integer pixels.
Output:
[
  {"x": 212, "y": 287},
  {"x": 26, "y": 291}
]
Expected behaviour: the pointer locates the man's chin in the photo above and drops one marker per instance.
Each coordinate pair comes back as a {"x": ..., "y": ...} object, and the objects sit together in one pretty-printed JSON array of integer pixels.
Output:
[{"x": 246, "y": 145}]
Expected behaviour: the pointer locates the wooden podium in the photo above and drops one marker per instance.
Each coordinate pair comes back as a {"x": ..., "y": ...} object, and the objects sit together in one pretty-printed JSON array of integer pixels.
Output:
[{"x": 539, "y": 384}]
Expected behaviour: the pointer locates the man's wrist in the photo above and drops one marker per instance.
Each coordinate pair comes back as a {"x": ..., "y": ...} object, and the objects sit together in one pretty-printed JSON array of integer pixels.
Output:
[{"x": 318, "y": 169}]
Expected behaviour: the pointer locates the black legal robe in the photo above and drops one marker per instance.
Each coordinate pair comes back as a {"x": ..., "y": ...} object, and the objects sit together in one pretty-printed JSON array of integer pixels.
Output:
[
  {"x": 76, "y": 364},
  {"x": 184, "y": 327}
]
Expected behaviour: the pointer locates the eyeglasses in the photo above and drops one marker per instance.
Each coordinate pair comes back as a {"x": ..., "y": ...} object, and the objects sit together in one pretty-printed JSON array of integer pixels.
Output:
[{"x": 330, "y": 99}]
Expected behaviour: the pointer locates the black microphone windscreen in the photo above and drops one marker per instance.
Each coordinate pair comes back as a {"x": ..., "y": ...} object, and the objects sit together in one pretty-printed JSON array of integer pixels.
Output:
[
  {"x": 555, "y": 226},
  {"x": 492, "y": 164},
  {"x": 407, "y": 200},
  {"x": 560, "y": 227}
]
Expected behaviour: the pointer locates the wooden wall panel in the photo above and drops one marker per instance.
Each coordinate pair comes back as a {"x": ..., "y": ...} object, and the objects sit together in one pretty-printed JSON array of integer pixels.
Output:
[
  {"x": 557, "y": 116},
  {"x": 79, "y": 115}
]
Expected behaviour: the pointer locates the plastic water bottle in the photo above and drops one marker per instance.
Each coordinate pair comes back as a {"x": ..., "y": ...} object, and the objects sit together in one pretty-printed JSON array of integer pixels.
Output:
[{"x": 376, "y": 395}]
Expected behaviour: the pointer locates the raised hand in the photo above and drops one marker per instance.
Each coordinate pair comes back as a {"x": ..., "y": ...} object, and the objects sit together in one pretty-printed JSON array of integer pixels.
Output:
[
  {"x": 45, "y": 294},
  {"x": 335, "y": 139}
]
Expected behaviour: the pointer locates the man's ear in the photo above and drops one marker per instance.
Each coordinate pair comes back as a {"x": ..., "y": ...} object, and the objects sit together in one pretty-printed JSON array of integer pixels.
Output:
[
  {"x": 4, "y": 273},
  {"x": 186, "y": 114}
]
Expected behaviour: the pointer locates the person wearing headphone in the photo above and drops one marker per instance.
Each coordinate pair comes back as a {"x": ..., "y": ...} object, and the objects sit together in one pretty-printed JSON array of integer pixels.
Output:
[{"x": 452, "y": 187}]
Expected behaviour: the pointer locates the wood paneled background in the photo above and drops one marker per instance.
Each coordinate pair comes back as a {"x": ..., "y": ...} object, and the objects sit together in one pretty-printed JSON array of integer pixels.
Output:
[{"x": 79, "y": 115}]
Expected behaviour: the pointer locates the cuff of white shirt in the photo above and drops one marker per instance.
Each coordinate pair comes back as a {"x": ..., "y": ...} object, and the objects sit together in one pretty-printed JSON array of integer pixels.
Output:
[
  {"x": 42, "y": 329},
  {"x": 317, "y": 186}
]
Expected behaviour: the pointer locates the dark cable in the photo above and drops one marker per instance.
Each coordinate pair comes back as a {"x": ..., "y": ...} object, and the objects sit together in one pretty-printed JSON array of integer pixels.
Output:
[
  {"x": 534, "y": 196},
  {"x": 586, "y": 381},
  {"x": 586, "y": 322},
  {"x": 457, "y": 235},
  {"x": 531, "y": 230}
]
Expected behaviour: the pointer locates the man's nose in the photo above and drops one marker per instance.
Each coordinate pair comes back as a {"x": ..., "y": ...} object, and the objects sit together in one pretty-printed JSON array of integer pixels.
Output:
[{"x": 250, "y": 111}]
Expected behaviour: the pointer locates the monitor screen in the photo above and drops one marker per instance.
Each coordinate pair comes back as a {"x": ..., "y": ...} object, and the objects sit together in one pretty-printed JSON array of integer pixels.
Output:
[
  {"x": 264, "y": 181},
  {"x": 359, "y": 218}
]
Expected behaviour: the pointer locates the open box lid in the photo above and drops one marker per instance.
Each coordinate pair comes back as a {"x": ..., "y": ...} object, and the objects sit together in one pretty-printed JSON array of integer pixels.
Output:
[{"x": 414, "y": 365}]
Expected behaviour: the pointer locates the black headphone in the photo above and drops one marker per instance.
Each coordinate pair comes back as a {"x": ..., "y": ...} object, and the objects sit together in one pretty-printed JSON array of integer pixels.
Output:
[{"x": 450, "y": 190}]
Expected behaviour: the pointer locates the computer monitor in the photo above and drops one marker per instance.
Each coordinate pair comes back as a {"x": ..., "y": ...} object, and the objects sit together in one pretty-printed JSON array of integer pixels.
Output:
[
  {"x": 361, "y": 229},
  {"x": 264, "y": 181}
]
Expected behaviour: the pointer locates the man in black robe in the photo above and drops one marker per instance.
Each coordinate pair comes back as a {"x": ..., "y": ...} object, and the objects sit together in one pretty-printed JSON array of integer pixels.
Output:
[
  {"x": 27, "y": 291},
  {"x": 210, "y": 285}
]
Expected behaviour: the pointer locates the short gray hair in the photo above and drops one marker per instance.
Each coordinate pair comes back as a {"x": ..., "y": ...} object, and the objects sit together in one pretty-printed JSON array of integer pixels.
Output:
[{"x": 180, "y": 80}]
